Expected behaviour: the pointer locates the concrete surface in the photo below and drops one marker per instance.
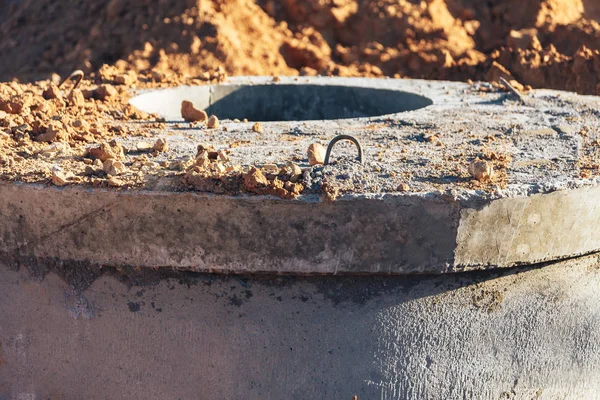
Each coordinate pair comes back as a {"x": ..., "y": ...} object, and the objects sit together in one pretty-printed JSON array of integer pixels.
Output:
[
  {"x": 101, "y": 295},
  {"x": 542, "y": 138},
  {"x": 439, "y": 225},
  {"x": 75, "y": 332},
  {"x": 203, "y": 232}
]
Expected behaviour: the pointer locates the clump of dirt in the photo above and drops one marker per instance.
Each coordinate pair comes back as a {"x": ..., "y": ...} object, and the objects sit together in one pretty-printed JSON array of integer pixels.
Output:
[
  {"x": 212, "y": 172},
  {"x": 542, "y": 43},
  {"x": 47, "y": 133}
]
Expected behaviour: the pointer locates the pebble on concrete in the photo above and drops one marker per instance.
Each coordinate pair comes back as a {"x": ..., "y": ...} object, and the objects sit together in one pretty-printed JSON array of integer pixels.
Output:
[
  {"x": 213, "y": 122},
  {"x": 481, "y": 170},
  {"x": 113, "y": 167},
  {"x": 257, "y": 127},
  {"x": 59, "y": 177},
  {"x": 191, "y": 113},
  {"x": 160, "y": 145},
  {"x": 316, "y": 154}
]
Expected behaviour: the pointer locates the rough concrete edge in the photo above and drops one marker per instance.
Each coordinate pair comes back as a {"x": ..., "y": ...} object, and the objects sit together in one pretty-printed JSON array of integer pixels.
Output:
[
  {"x": 526, "y": 230},
  {"x": 146, "y": 229}
]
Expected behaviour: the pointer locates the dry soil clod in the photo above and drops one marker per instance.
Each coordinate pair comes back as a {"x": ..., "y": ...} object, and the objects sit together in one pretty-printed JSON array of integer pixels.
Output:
[
  {"x": 160, "y": 145},
  {"x": 481, "y": 170},
  {"x": 105, "y": 91},
  {"x": 108, "y": 150},
  {"x": 257, "y": 127},
  {"x": 316, "y": 154},
  {"x": 191, "y": 113},
  {"x": 113, "y": 167},
  {"x": 213, "y": 122},
  {"x": 59, "y": 177}
]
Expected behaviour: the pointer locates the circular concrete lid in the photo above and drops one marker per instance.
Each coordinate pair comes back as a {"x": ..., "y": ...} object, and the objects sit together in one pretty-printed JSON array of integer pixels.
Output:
[{"x": 411, "y": 208}]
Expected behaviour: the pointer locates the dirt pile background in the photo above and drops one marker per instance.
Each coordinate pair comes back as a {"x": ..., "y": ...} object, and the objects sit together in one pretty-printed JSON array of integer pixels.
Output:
[{"x": 542, "y": 43}]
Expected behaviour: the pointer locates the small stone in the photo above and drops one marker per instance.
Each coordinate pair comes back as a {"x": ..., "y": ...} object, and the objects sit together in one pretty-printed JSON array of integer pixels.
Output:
[
  {"x": 403, "y": 187},
  {"x": 157, "y": 75},
  {"x": 113, "y": 167},
  {"x": 213, "y": 122},
  {"x": 222, "y": 156},
  {"x": 481, "y": 170},
  {"x": 114, "y": 182},
  {"x": 81, "y": 124},
  {"x": 192, "y": 114},
  {"x": 160, "y": 145},
  {"x": 53, "y": 92},
  {"x": 270, "y": 168},
  {"x": 55, "y": 131},
  {"x": 55, "y": 148},
  {"x": 108, "y": 150},
  {"x": 202, "y": 159},
  {"x": 103, "y": 92},
  {"x": 295, "y": 171},
  {"x": 181, "y": 165},
  {"x": 143, "y": 147},
  {"x": 89, "y": 170},
  {"x": 316, "y": 154},
  {"x": 75, "y": 98},
  {"x": 128, "y": 78},
  {"x": 257, "y": 127},
  {"x": 254, "y": 180},
  {"x": 151, "y": 165},
  {"x": 59, "y": 177}
]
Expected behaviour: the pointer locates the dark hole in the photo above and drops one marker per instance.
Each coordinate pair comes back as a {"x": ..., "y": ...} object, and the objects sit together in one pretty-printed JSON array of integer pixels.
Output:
[
  {"x": 281, "y": 102},
  {"x": 309, "y": 102}
]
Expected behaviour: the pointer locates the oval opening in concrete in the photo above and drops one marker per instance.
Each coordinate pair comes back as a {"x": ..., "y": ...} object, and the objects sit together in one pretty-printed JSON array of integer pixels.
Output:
[{"x": 281, "y": 102}]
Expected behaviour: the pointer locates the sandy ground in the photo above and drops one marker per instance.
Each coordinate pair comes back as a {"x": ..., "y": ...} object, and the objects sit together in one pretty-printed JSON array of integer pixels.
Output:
[{"x": 542, "y": 43}]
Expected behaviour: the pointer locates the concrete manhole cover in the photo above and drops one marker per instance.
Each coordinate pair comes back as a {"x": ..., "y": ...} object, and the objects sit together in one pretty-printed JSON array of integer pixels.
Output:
[{"x": 411, "y": 207}]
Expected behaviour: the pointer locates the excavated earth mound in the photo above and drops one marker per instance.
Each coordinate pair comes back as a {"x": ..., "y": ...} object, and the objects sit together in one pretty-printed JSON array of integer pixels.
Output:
[{"x": 542, "y": 43}]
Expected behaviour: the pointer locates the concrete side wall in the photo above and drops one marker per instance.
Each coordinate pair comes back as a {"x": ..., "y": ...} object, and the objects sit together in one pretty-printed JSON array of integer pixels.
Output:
[
  {"x": 532, "y": 334},
  {"x": 394, "y": 235},
  {"x": 530, "y": 229},
  {"x": 203, "y": 232}
]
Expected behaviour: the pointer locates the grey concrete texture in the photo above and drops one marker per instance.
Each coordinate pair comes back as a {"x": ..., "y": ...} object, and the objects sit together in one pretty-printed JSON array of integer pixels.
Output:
[
  {"x": 201, "y": 232},
  {"x": 439, "y": 226},
  {"x": 73, "y": 332},
  {"x": 391, "y": 116}
]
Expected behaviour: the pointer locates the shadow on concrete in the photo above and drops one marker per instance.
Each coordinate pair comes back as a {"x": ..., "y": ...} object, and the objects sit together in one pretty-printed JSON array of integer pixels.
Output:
[{"x": 309, "y": 102}]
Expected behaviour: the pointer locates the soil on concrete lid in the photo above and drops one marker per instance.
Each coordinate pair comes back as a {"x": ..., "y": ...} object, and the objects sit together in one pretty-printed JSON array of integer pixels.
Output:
[
  {"x": 64, "y": 136},
  {"x": 542, "y": 43}
]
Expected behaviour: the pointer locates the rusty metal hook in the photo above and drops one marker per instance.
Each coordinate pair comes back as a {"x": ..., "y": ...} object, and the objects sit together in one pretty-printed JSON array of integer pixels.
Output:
[
  {"x": 513, "y": 91},
  {"x": 344, "y": 137},
  {"x": 76, "y": 76}
]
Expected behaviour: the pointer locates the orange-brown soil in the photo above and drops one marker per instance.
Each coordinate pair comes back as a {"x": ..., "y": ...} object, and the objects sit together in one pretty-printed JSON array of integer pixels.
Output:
[{"x": 542, "y": 43}]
